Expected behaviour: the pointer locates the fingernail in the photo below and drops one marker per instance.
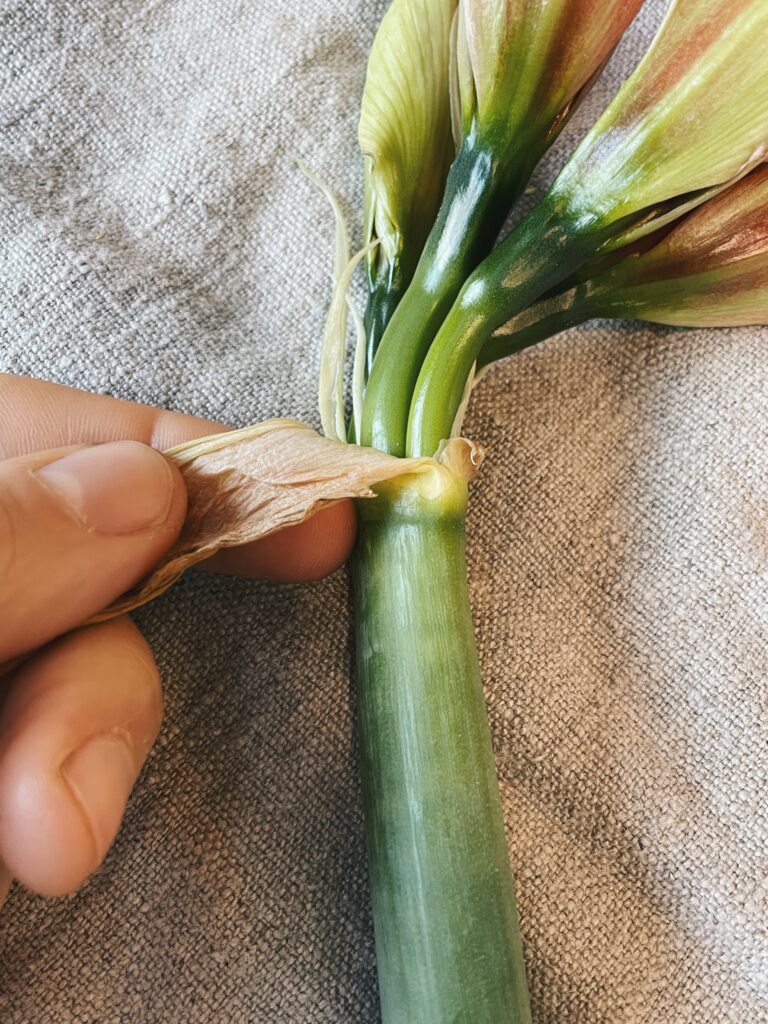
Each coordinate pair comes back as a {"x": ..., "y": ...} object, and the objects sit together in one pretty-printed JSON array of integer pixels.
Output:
[
  {"x": 101, "y": 775},
  {"x": 113, "y": 488}
]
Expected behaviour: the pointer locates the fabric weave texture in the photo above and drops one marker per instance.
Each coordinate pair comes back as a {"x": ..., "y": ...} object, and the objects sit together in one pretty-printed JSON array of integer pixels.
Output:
[{"x": 158, "y": 244}]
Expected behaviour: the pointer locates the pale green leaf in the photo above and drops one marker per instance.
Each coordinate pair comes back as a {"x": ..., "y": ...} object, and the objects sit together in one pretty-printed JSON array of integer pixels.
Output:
[{"x": 405, "y": 122}]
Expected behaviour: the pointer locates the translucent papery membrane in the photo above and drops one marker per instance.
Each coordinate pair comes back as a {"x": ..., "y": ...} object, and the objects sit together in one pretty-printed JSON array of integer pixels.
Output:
[{"x": 244, "y": 485}]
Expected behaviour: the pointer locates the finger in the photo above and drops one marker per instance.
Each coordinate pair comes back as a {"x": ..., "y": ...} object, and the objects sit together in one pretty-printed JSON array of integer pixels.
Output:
[
  {"x": 78, "y": 723},
  {"x": 36, "y": 415},
  {"x": 77, "y": 529},
  {"x": 298, "y": 554},
  {"x": 5, "y": 883}
]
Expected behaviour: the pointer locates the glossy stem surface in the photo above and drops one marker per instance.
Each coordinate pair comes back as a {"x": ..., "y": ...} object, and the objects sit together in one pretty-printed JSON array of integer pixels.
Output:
[
  {"x": 478, "y": 194},
  {"x": 446, "y": 927},
  {"x": 544, "y": 249},
  {"x": 383, "y": 297},
  {"x": 542, "y": 321}
]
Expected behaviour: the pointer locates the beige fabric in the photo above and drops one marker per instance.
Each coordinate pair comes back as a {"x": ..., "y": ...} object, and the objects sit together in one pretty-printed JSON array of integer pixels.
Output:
[{"x": 157, "y": 244}]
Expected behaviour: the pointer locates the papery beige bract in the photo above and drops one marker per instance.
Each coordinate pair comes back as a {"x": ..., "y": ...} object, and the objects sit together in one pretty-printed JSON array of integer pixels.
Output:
[{"x": 246, "y": 484}]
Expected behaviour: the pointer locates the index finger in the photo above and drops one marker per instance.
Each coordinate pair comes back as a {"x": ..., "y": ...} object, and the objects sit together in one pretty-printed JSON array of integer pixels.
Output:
[{"x": 36, "y": 415}]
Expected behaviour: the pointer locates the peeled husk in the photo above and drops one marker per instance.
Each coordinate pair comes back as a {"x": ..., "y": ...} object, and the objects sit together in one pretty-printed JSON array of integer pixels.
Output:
[{"x": 246, "y": 484}]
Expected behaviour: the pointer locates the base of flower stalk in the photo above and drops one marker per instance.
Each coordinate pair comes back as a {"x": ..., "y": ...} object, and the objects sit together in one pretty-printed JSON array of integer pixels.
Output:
[
  {"x": 446, "y": 927},
  {"x": 478, "y": 195}
]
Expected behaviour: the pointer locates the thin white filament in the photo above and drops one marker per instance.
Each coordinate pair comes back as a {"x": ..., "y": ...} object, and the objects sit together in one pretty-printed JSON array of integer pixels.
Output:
[
  {"x": 458, "y": 420},
  {"x": 358, "y": 368},
  {"x": 334, "y": 353},
  {"x": 334, "y": 348}
]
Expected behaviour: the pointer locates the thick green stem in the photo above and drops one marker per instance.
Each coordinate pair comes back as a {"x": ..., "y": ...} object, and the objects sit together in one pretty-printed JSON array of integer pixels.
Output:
[
  {"x": 545, "y": 249},
  {"x": 478, "y": 194},
  {"x": 446, "y": 927}
]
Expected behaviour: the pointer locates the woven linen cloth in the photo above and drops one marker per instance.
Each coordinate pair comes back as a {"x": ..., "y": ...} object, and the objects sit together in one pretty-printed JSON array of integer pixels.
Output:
[{"x": 158, "y": 244}]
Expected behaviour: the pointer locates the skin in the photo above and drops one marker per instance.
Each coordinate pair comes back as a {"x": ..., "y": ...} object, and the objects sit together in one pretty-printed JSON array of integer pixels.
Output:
[{"x": 80, "y": 714}]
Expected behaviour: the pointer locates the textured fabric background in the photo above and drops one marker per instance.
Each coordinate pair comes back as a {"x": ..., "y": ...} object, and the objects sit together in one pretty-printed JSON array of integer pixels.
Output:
[{"x": 157, "y": 244}]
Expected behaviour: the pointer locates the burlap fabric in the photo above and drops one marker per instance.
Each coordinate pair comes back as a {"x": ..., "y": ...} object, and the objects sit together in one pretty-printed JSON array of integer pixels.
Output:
[{"x": 157, "y": 244}]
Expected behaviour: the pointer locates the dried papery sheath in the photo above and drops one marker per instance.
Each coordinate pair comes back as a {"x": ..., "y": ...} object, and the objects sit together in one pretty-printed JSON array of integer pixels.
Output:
[{"x": 246, "y": 484}]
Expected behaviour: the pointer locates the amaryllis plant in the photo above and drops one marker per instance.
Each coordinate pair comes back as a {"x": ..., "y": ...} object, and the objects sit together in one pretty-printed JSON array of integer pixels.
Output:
[
  {"x": 519, "y": 69},
  {"x": 662, "y": 214},
  {"x": 685, "y": 128}
]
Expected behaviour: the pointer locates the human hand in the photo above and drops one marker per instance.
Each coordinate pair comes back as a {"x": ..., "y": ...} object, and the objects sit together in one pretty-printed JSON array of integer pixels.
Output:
[{"x": 78, "y": 527}]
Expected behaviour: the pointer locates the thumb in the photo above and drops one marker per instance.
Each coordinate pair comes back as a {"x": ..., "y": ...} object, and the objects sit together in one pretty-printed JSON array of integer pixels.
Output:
[{"x": 78, "y": 527}]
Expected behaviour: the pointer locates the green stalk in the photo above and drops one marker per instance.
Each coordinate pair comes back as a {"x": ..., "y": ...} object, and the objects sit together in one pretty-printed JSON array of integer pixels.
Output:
[
  {"x": 478, "y": 194},
  {"x": 383, "y": 296},
  {"x": 447, "y": 936},
  {"x": 388, "y": 280},
  {"x": 543, "y": 320},
  {"x": 545, "y": 249}
]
